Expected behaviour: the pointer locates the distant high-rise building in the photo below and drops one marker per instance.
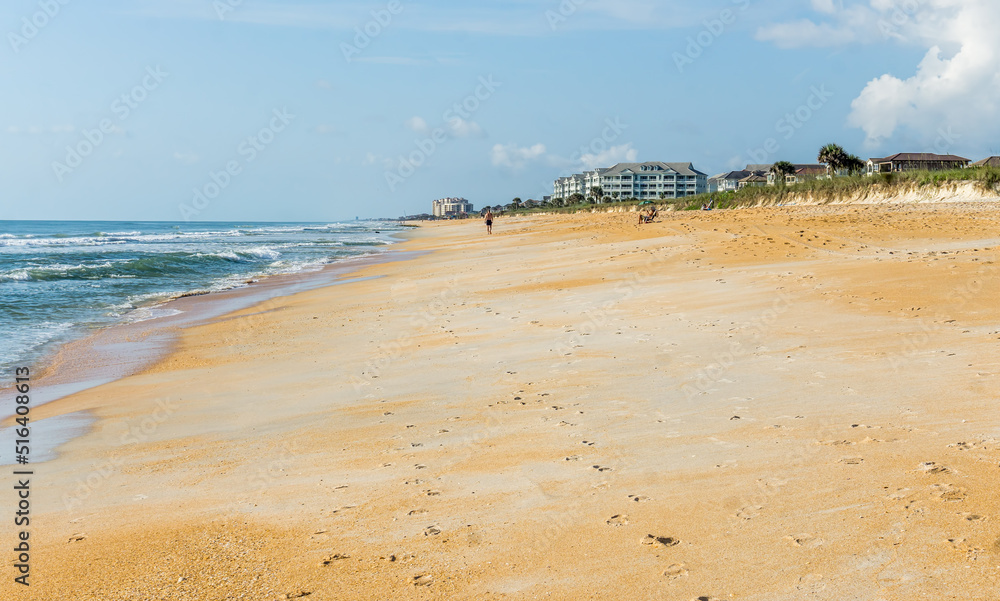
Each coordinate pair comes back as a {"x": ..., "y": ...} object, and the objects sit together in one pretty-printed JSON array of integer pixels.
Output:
[{"x": 449, "y": 207}]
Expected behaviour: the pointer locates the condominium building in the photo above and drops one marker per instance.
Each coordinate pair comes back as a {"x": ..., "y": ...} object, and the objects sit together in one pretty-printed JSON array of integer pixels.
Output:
[
  {"x": 636, "y": 180},
  {"x": 448, "y": 207},
  {"x": 653, "y": 180}
]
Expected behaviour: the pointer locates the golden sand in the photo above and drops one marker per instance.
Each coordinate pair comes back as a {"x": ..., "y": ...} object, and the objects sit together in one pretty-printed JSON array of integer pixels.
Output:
[{"x": 767, "y": 404}]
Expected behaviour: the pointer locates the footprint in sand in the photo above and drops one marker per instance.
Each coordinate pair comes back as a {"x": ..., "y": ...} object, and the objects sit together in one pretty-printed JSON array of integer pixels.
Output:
[
  {"x": 417, "y": 512},
  {"x": 603, "y": 469},
  {"x": 333, "y": 558},
  {"x": 973, "y": 517},
  {"x": 573, "y": 458},
  {"x": 297, "y": 595},
  {"x": 930, "y": 467},
  {"x": 852, "y": 460},
  {"x": 666, "y": 541},
  {"x": 804, "y": 540},
  {"x": 432, "y": 493},
  {"x": 949, "y": 492},
  {"x": 639, "y": 498},
  {"x": 618, "y": 520},
  {"x": 675, "y": 571},
  {"x": 899, "y": 495},
  {"x": 76, "y": 538},
  {"x": 432, "y": 531},
  {"x": 749, "y": 512},
  {"x": 423, "y": 580}
]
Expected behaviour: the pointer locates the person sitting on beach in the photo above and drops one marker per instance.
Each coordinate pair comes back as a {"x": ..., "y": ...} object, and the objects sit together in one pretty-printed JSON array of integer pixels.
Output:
[{"x": 649, "y": 216}]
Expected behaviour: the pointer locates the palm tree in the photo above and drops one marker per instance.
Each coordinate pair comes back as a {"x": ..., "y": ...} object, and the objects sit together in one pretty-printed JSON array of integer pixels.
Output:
[
  {"x": 853, "y": 165},
  {"x": 597, "y": 193},
  {"x": 516, "y": 202},
  {"x": 781, "y": 170},
  {"x": 615, "y": 195},
  {"x": 833, "y": 156}
]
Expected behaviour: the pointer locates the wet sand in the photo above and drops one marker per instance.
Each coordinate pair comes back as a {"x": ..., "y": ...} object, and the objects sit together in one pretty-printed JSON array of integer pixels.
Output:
[{"x": 762, "y": 404}]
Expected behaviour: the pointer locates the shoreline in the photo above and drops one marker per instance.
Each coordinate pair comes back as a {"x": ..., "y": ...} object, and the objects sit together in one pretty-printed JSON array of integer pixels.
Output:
[
  {"x": 808, "y": 391},
  {"x": 126, "y": 348}
]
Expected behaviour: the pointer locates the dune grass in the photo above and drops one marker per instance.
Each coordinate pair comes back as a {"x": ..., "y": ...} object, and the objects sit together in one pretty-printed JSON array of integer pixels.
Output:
[{"x": 986, "y": 179}]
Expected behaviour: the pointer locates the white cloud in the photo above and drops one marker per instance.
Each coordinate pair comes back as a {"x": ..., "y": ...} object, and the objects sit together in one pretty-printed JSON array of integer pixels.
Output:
[
  {"x": 952, "y": 96},
  {"x": 514, "y": 156},
  {"x": 417, "y": 125},
  {"x": 457, "y": 127},
  {"x": 460, "y": 128},
  {"x": 623, "y": 153},
  {"x": 188, "y": 158},
  {"x": 326, "y": 129}
]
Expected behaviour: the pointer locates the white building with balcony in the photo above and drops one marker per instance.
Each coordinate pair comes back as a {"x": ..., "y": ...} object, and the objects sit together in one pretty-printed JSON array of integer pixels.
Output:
[
  {"x": 649, "y": 181},
  {"x": 644, "y": 181},
  {"x": 448, "y": 207}
]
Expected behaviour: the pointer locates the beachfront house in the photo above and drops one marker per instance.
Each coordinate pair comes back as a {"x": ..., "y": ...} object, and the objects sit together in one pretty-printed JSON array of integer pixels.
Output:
[
  {"x": 988, "y": 162},
  {"x": 451, "y": 207},
  {"x": 916, "y": 161},
  {"x": 753, "y": 175},
  {"x": 802, "y": 173},
  {"x": 755, "y": 179},
  {"x": 714, "y": 182}
]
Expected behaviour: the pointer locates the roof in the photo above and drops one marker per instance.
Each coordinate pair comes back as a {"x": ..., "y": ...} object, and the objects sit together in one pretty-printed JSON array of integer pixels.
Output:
[
  {"x": 754, "y": 177},
  {"x": 762, "y": 167},
  {"x": 736, "y": 175},
  {"x": 810, "y": 169},
  {"x": 925, "y": 157},
  {"x": 680, "y": 168},
  {"x": 990, "y": 162}
]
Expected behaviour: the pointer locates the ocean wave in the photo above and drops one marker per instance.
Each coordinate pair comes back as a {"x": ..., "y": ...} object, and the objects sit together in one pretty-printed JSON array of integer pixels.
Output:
[
  {"x": 245, "y": 255},
  {"x": 18, "y": 275}
]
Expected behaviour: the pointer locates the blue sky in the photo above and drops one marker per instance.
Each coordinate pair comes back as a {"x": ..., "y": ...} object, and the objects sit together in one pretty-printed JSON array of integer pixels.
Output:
[{"x": 281, "y": 111}]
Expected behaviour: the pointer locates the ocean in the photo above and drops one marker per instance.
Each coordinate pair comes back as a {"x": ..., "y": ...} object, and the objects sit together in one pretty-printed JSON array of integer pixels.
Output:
[{"x": 60, "y": 280}]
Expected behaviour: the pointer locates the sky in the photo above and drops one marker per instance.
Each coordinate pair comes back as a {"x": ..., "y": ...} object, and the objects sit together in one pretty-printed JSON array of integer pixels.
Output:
[{"x": 259, "y": 110}]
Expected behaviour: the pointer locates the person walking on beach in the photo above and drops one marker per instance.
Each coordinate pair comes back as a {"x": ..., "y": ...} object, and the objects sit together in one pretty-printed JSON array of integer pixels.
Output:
[{"x": 489, "y": 221}]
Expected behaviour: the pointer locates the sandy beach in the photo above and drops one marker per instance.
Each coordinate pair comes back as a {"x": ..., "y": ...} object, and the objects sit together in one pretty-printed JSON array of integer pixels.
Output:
[{"x": 764, "y": 404}]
